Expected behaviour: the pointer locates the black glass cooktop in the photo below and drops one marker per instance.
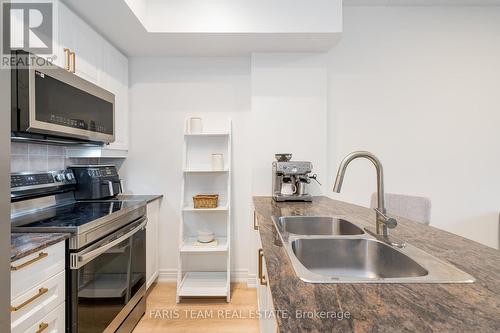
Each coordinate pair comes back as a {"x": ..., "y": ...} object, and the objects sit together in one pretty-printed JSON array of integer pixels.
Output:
[{"x": 77, "y": 214}]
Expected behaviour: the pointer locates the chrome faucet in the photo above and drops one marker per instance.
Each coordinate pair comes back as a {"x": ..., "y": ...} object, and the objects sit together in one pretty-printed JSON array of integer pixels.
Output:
[{"x": 383, "y": 222}]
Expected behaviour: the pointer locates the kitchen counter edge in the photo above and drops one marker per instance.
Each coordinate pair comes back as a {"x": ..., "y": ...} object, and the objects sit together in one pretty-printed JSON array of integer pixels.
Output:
[{"x": 24, "y": 244}]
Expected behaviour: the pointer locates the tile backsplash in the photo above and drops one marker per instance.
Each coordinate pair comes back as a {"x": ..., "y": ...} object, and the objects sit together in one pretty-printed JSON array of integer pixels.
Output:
[{"x": 35, "y": 157}]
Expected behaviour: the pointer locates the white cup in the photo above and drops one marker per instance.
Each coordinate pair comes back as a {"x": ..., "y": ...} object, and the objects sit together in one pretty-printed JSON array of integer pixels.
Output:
[
  {"x": 217, "y": 162},
  {"x": 195, "y": 125},
  {"x": 288, "y": 189}
]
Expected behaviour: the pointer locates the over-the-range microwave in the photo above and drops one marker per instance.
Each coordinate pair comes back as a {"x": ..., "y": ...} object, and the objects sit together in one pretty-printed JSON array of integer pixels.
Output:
[{"x": 51, "y": 102}]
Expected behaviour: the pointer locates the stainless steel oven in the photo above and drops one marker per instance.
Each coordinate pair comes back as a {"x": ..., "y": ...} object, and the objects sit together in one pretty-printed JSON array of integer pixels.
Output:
[
  {"x": 106, "y": 253},
  {"x": 107, "y": 282},
  {"x": 53, "y": 102}
]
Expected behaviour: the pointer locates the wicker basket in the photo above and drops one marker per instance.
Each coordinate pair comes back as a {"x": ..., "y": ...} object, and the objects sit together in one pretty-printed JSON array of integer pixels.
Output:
[{"x": 206, "y": 201}]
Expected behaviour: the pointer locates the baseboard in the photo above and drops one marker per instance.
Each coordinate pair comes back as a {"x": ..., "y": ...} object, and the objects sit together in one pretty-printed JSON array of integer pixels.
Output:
[
  {"x": 237, "y": 276},
  {"x": 167, "y": 275},
  {"x": 251, "y": 281},
  {"x": 152, "y": 279}
]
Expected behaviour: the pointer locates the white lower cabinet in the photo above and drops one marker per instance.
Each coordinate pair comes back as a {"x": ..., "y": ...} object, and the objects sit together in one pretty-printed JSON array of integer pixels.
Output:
[
  {"x": 267, "y": 321},
  {"x": 38, "y": 291},
  {"x": 29, "y": 271},
  {"x": 51, "y": 323},
  {"x": 152, "y": 230}
]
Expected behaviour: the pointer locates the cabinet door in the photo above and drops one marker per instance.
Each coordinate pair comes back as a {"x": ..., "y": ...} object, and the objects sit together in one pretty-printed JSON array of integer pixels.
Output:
[
  {"x": 76, "y": 35},
  {"x": 267, "y": 322},
  {"x": 66, "y": 35},
  {"x": 261, "y": 289},
  {"x": 153, "y": 213},
  {"x": 270, "y": 322},
  {"x": 114, "y": 78},
  {"x": 54, "y": 322},
  {"x": 88, "y": 49},
  {"x": 66, "y": 38}
]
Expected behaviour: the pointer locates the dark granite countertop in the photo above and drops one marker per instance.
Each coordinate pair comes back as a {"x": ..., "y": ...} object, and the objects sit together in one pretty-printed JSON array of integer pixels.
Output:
[
  {"x": 24, "y": 244},
  {"x": 383, "y": 307},
  {"x": 140, "y": 197}
]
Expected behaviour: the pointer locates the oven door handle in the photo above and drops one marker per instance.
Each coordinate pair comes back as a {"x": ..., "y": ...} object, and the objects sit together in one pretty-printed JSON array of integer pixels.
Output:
[{"x": 82, "y": 259}]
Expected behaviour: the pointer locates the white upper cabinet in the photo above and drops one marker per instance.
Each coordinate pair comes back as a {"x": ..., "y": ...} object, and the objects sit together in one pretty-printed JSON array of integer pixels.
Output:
[
  {"x": 64, "y": 38},
  {"x": 87, "y": 61},
  {"x": 81, "y": 50},
  {"x": 114, "y": 77}
]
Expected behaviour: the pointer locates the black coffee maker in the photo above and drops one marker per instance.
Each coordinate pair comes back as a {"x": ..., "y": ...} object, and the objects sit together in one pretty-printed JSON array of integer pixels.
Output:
[{"x": 95, "y": 182}]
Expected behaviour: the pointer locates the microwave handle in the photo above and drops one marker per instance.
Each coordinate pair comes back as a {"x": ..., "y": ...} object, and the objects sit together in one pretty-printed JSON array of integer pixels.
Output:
[{"x": 82, "y": 259}]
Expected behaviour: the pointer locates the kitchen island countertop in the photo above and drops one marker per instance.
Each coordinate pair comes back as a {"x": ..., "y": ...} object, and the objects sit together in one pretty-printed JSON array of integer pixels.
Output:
[{"x": 381, "y": 307}]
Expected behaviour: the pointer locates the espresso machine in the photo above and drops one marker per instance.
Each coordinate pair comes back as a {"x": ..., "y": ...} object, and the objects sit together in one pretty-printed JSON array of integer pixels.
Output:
[{"x": 291, "y": 179}]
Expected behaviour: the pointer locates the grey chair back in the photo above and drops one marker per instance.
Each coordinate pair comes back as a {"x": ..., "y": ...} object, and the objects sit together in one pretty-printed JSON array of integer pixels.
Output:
[{"x": 411, "y": 207}]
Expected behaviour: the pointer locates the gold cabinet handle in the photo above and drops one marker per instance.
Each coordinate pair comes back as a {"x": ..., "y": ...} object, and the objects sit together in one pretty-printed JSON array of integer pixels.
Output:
[
  {"x": 262, "y": 278},
  {"x": 73, "y": 62},
  {"x": 66, "y": 54},
  {"x": 41, "y": 291},
  {"x": 41, "y": 255},
  {"x": 255, "y": 225},
  {"x": 42, "y": 327}
]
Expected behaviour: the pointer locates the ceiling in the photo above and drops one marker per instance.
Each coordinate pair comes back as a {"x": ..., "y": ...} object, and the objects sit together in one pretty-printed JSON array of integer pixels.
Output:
[
  {"x": 118, "y": 23},
  {"x": 125, "y": 28},
  {"x": 421, "y": 2}
]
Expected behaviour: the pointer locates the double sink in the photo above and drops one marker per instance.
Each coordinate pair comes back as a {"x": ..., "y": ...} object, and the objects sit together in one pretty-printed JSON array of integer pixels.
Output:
[{"x": 336, "y": 250}]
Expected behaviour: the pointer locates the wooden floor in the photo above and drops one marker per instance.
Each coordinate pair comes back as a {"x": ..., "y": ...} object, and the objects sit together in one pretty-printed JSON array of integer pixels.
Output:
[{"x": 199, "y": 315}]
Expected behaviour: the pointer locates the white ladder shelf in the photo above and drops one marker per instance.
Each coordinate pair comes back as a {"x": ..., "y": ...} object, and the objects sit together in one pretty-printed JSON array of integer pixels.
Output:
[{"x": 204, "y": 271}]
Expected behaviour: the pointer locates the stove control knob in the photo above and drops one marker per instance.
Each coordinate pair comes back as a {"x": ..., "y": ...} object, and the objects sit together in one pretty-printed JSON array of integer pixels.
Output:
[
  {"x": 60, "y": 177},
  {"x": 69, "y": 176}
]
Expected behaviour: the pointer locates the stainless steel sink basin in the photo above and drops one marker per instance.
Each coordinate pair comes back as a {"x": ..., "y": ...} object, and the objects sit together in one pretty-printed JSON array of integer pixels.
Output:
[
  {"x": 317, "y": 225},
  {"x": 356, "y": 258},
  {"x": 334, "y": 250}
]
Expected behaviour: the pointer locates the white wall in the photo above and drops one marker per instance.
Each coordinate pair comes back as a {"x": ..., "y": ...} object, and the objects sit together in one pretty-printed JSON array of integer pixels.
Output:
[
  {"x": 163, "y": 92},
  {"x": 271, "y": 98},
  {"x": 289, "y": 112},
  {"x": 420, "y": 87}
]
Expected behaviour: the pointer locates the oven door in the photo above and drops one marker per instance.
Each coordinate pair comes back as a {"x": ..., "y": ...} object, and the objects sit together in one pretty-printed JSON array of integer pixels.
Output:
[
  {"x": 55, "y": 102},
  {"x": 107, "y": 280}
]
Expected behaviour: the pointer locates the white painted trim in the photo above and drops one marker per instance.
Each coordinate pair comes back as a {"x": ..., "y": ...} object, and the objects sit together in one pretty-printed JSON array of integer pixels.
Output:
[
  {"x": 169, "y": 275},
  {"x": 153, "y": 278},
  {"x": 252, "y": 281}
]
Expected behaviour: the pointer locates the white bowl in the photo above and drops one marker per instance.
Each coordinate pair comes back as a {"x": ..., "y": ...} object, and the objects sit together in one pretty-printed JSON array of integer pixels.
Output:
[{"x": 205, "y": 236}]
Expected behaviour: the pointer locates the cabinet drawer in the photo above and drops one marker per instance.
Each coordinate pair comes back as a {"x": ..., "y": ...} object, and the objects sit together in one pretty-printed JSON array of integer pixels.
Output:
[
  {"x": 32, "y": 306},
  {"x": 52, "y": 323},
  {"x": 30, "y": 271}
]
